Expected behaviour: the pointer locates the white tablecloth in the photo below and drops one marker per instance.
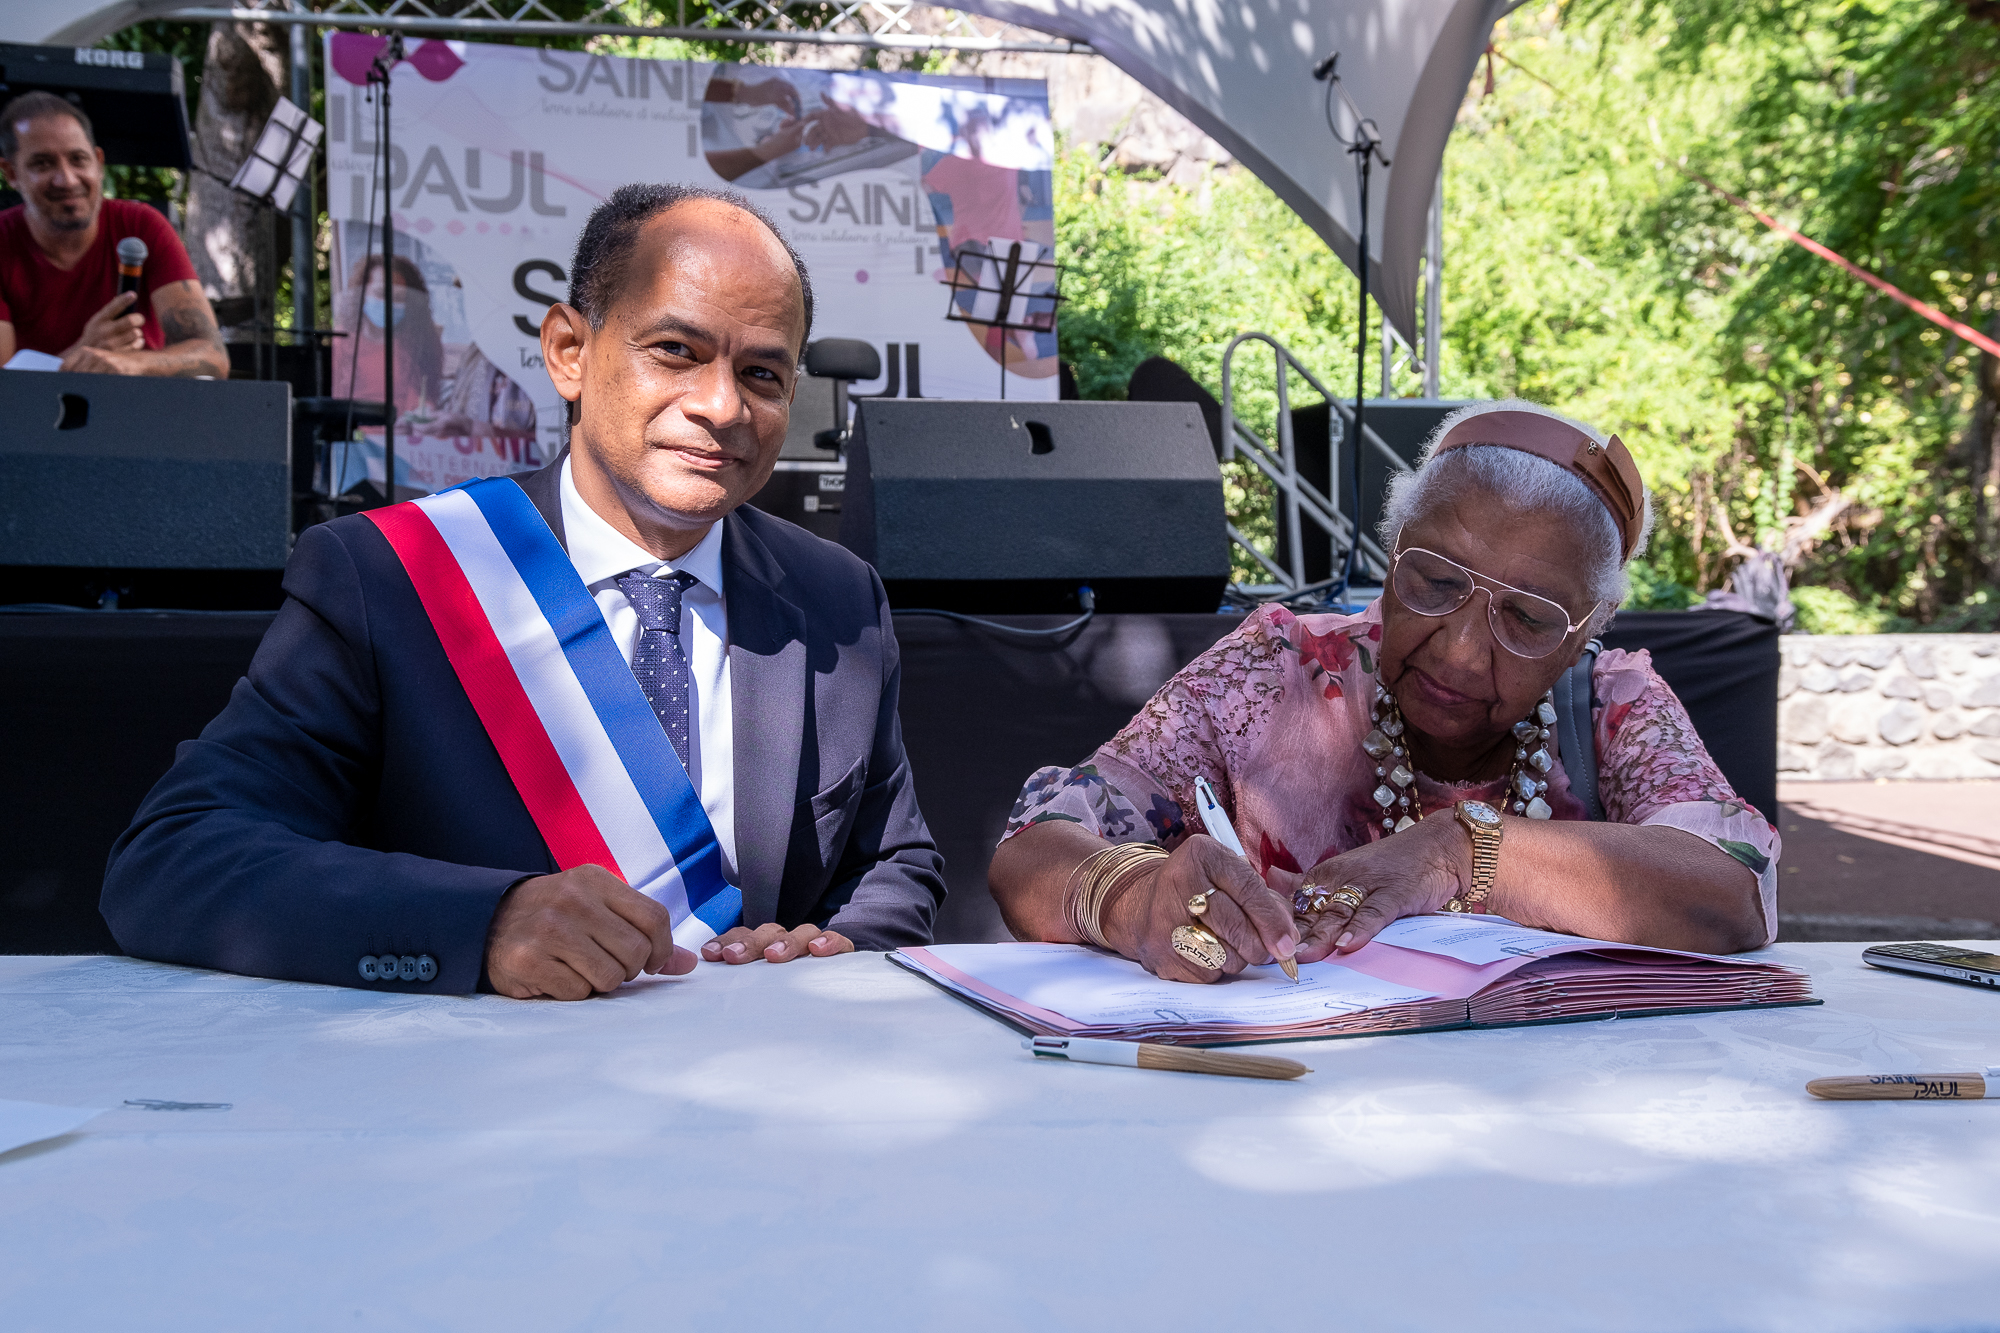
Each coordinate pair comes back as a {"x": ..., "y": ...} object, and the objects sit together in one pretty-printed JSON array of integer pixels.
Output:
[{"x": 836, "y": 1145}]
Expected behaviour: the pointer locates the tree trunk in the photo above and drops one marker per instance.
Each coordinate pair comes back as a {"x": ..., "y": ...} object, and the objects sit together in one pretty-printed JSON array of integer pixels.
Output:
[{"x": 231, "y": 240}]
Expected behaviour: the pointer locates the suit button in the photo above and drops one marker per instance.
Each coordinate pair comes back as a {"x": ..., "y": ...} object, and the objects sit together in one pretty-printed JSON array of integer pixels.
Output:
[
  {"x": 371, "y": 970},
  {"x": 406, "y": 968},
  {"x": 427, "y": 968}
]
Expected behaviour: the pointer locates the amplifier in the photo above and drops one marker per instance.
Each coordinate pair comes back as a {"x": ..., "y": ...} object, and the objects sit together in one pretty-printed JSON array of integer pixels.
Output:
[
  {"x": 996, "y": 507},
  {"x": 110, "y": 471},
  {"x": 137, "y": 104}
]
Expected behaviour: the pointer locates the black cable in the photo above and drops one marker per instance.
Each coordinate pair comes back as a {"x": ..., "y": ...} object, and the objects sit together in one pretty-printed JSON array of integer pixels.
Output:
[{"x": 1085, "y": 597}]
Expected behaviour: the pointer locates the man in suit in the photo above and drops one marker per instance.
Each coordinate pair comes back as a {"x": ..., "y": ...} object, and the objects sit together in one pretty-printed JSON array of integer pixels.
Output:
[{"x": 346, "y": 819}]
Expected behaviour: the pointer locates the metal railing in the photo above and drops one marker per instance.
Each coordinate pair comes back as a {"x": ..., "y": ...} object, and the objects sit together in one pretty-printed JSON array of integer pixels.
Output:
[
  {"x": 1298, "y": 501},
  {"x": 899, "y": 25}
]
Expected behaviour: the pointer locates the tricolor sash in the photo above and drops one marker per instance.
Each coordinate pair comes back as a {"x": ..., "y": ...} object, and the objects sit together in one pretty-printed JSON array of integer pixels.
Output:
[{"x": 558, "y": 699}]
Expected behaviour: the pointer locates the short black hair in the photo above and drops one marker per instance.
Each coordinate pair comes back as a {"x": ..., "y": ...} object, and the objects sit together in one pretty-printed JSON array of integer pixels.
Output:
[
  {"x": 598, "y": 270},
  {"x": 34, "y": 106}
]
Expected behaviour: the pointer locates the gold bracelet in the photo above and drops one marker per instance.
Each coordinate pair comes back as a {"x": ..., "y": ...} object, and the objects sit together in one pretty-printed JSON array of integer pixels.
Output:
[
  {"x": 1119, "y": 878},
  {"x": 1104, "y": 877}
]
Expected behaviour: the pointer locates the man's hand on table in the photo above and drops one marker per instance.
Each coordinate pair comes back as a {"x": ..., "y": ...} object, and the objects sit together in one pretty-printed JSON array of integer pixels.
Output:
[
  {"x": 579, "y": 933},
  {"x": 774, "y": 944}
]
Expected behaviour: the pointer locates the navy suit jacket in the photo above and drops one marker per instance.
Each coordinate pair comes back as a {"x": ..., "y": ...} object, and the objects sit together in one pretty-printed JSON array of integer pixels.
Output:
[{"x": 347, "y": 801}]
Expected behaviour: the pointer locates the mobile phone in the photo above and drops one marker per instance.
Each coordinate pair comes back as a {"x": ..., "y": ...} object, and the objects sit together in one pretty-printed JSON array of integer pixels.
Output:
[{"x": 1937, "y": 960}]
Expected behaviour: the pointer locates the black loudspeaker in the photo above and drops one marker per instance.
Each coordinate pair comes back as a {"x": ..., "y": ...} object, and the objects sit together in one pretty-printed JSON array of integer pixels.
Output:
[
  {"x": 117, "y": 472},
  {"x": 996, "y": 507},
  {"x": 1404, "y": 424}
]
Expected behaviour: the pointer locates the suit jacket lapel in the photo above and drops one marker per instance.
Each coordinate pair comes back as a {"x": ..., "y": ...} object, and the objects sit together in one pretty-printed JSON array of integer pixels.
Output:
[
  {"x": 544, "y": 487},
  {"x": 767, "y": 687}
]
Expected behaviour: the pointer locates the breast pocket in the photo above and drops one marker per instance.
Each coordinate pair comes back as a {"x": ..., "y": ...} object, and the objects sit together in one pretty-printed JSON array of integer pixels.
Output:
[{"x": 832, "y": 812}]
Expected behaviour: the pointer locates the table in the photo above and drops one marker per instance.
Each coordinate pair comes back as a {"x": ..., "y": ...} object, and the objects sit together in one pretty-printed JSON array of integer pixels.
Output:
[{"x": 833, "y": 1144}]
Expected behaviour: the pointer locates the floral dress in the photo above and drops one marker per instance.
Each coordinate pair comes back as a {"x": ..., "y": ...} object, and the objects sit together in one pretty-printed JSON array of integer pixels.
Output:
[{"x": 1273, "y": 717}]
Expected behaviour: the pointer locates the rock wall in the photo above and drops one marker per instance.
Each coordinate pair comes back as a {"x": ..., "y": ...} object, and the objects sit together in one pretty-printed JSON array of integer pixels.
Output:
[{"x": 1889, "y": 706}]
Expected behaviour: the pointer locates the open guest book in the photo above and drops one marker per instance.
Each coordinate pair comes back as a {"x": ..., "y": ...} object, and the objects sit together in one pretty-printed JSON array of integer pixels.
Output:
[{"x": 1420, "y": 974}]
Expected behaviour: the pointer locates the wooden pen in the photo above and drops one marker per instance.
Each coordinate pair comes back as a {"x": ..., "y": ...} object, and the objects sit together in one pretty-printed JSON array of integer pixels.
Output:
[
  {"x": 1145, "y": 1055},
  {"x": 1909, "y": 1087}
]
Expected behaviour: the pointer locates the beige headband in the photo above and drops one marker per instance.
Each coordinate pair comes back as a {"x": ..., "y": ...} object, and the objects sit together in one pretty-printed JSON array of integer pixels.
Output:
[{"x": 1607, "y": 469}]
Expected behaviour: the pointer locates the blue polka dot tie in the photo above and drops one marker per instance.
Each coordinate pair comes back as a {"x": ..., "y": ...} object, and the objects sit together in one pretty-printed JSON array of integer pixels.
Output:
[{"x": 658, "y": 661}]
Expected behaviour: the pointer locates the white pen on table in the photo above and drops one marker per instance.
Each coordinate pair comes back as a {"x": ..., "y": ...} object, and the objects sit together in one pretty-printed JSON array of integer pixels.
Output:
[
  {"x": 1219, "y": 828},
  {"x": 1147, "y": 1055}
]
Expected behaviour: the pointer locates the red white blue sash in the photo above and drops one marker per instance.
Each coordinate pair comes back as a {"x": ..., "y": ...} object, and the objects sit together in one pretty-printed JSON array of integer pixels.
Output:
[{"x": 558, "y": 699}]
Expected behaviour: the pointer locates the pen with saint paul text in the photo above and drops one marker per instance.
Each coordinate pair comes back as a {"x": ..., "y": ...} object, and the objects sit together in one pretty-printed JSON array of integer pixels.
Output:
[{"x": 1909, "y": 1087}]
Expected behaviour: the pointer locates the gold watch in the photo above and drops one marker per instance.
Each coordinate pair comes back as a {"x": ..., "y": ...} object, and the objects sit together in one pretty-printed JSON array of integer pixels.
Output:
[{"x": 1482, "y": 823}]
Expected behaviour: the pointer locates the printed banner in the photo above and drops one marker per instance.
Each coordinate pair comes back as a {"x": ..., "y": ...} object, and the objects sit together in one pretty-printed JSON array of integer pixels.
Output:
[{"x": 909, "y": 196}]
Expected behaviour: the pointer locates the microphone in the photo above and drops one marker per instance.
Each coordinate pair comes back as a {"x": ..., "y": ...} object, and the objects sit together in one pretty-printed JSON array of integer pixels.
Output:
[
  {"x": 131, "y": 264},
  {"x": 1325, "y": 67}
]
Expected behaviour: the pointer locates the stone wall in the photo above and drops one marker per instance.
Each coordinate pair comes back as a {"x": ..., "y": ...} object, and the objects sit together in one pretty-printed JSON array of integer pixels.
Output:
[{"x": 1889, "y": 706}]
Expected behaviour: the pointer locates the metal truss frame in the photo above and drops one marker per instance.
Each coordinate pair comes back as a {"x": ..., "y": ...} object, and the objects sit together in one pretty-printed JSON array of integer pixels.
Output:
[{"x": 891, "y": 25}]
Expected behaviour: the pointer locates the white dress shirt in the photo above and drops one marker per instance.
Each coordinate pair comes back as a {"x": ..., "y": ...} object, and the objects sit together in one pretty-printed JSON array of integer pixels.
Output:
[{"x": 601, "y": 554}]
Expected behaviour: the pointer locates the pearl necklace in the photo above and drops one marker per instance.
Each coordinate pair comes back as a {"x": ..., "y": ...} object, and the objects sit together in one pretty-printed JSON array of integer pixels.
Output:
[{"x": 1396, "y": 788}]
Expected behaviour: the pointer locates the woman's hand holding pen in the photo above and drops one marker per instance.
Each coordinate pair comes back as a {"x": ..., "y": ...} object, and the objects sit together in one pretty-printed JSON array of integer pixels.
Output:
[{"x": 1252, "y": 920}]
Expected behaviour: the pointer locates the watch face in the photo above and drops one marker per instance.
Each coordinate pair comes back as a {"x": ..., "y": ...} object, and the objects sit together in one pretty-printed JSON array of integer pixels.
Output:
[{"x": 1481, "y": 813}]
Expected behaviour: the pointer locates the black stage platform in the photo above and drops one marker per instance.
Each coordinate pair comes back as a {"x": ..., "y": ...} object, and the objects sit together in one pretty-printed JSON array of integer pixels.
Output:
[{"x": 97, "y": 701}]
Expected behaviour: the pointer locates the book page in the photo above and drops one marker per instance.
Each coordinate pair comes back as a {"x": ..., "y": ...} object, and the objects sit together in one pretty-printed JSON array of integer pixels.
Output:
[
  {"x": 1480, "y": 938},
  {"x": 1096, "y": 989}
]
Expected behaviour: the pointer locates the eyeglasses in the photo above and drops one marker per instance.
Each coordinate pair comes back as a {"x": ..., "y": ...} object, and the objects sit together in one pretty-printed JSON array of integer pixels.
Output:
[{"x": 1524, "y": 624}]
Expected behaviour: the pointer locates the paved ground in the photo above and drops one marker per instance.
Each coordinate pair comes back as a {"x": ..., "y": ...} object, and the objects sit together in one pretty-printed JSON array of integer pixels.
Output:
[{"x": 1889, "y": 860}]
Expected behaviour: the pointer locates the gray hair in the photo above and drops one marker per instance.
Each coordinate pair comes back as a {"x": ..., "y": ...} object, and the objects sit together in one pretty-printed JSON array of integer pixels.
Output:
[{"x": 1522, "y": 481}]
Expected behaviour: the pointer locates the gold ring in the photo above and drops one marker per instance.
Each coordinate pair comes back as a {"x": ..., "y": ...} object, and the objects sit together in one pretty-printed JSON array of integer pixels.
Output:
[
  {"x": 1312, "y": 899},
  {"x": 1199, "y": 946},
  {"x": 1198, "y": 905}
]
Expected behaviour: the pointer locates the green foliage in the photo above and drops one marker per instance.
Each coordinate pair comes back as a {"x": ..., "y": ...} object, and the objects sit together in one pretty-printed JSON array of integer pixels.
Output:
[
  {"x": 1589, "y": 270},
  {"x": 1654, "y": 591},
  {"x": 1153, "y": 270},
  {"x": 1831, "y": 611}
]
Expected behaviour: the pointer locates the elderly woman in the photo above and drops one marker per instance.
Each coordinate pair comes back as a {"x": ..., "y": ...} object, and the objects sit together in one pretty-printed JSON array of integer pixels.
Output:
[{"x": 1403, "y": 760}]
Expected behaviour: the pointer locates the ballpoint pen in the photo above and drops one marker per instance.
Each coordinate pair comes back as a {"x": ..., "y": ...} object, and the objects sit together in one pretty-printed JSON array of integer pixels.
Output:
[
  {"x": 1146, "y": 1055},
  {"x": 1976, "y": 1084},
  {"x": 1219, "y": 828}
]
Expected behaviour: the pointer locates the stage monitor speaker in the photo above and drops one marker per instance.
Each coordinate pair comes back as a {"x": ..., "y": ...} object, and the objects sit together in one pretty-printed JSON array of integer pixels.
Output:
[
  {"x": 1404, "y": 424},
  {"x": 996, "y": 507},
  {"x": 118, "y": 472}
]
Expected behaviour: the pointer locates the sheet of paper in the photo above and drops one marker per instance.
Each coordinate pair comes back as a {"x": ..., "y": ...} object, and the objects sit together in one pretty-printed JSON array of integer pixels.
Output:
[
  {"x": 1479, "y": 939},
  {"x": 23, "y": 1123},
  {"x": 1096, "y": 989},
  {"x": 29, "y": 359}
]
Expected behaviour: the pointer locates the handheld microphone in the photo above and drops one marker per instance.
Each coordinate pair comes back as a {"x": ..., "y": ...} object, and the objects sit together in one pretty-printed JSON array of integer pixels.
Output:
[
  {"x": 1326, "y": 67},
  {"x": 131, "y": 264}
]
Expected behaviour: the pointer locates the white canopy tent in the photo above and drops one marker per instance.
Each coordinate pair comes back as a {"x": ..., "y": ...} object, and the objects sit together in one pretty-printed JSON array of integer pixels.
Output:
[{"x": 1241, "y": 71}]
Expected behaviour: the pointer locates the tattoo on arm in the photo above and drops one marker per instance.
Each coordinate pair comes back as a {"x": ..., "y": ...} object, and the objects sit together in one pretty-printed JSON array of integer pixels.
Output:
[{"x": 185, "y": 317}]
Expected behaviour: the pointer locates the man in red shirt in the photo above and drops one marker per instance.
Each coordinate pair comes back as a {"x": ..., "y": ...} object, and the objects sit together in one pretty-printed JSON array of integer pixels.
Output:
[{"x": 59, "y": 262}]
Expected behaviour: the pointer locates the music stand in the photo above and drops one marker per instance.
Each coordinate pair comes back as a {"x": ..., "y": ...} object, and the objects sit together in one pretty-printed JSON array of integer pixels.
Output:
[
  {"x": 1018, "y": 290},
  {"x": 280, "y": 158},
  {"x": 270, "y": 177}
]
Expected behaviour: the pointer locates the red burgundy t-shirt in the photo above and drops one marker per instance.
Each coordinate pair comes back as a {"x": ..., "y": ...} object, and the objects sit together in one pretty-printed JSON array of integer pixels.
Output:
[{"x": 49, "y": 306}]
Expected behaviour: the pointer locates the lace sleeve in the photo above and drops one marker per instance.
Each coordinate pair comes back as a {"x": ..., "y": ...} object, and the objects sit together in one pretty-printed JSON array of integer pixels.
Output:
[{"x": 1200, "y": 724}]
